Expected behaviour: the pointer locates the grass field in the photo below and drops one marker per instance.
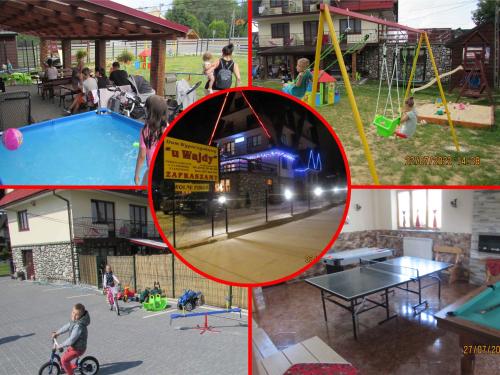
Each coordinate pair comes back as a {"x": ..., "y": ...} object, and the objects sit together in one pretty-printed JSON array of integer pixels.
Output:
[
  {"x": 390, "y": 154},
  {"x": 192, "y": 64},
  {"x": 4, "y": 269}
]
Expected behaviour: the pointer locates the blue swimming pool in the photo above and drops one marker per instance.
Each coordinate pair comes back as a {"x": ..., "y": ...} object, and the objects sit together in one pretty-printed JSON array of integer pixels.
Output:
[{"x": 92, "y": 148}]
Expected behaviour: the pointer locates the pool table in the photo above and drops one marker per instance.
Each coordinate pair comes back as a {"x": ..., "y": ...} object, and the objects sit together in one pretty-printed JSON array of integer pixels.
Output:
[
  {"x": 92, "y": 148},
  {"x": 476, "y": 319}
]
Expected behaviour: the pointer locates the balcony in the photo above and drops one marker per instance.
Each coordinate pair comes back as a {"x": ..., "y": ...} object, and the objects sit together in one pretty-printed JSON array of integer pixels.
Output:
[
  {"x": 265, "y": 8},
  {"x": 86, "y": 227},
  {"x": 298, "y": 39},
  {"x": 246, "y": 165}
]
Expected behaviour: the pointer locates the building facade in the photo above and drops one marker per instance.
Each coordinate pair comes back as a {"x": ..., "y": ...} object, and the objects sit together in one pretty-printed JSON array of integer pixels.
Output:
[
  {"x": 50, "y": 229},
  {"x": 255, "y": 158}
]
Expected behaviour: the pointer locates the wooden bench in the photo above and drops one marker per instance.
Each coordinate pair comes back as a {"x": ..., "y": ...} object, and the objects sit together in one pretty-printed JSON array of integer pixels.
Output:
[
  {"x": 47, "y": 86},
  {"x": 268, "y": 360}
]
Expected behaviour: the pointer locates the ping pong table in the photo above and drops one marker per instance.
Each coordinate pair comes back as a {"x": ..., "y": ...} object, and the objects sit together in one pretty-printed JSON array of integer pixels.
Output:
[{"x": 355, "y": 285}]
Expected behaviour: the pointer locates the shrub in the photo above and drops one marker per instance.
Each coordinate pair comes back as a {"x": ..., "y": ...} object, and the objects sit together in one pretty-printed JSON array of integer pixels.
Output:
[
  {"x": 81, "y": 54},
  {"x": 125, "y": 57}
]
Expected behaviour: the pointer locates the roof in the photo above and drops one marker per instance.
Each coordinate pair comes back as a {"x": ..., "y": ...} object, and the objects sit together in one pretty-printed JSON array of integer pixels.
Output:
[
  {"x": 84, "y": 19},
  {"x": 7, "y": 33},
  {"x": 466, "y": 34},
  {"x": 357, "y": 5},
  {"x": 325, "y": 77},
  {"x": 18, "y": 195}
]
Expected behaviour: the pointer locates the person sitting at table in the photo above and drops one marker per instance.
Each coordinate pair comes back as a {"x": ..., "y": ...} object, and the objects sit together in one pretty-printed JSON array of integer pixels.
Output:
[
  {"x": 88, "y": 94},
  {"x": 102, "y": 80},
  {"x": 118, "y": 76},
  {"x": 50, "y": 74}
]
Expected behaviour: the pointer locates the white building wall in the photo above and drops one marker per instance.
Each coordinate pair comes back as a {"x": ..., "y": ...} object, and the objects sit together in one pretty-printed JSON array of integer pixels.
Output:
[
  {"x": 47, "y": 219},
  {"x": 457, "y": 220},
  {"x": 364, "y": 218}
]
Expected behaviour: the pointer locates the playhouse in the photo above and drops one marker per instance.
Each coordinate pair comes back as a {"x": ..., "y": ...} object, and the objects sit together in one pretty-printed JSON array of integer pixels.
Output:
[
  {"x": 325, "y": 93},
  {"x": 144, "y": 59}
]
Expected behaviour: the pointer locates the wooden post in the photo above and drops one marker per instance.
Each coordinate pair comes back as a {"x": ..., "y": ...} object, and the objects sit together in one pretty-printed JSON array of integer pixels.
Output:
[
  {"x": 353, "y": 66},
  {"x": 66, "y": 52},
  {"x": 44, "y": 51},
  {"x": 100, "y": 53},
  {"x": 158, "y": 52}
]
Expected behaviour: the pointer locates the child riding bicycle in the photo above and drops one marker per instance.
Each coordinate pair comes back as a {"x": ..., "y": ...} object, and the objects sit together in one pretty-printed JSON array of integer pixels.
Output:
[
  {"x": 76, "y": 343},
  {"x": 110, "y": 285}
]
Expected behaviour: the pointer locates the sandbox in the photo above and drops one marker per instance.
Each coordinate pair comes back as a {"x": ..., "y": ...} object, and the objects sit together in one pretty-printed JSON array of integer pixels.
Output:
[{"x": 471, "y": 116}]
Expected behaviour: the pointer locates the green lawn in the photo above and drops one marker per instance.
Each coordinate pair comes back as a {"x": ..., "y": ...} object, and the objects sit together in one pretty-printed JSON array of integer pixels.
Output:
[
  {"x": 190, "y": 64},
  {"x": 4, "y": 269},
  {"x": 430, "y": 140}
]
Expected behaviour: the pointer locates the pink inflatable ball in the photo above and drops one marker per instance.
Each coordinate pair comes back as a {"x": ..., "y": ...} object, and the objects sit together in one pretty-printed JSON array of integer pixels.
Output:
[{"x": 12, "y": 139}]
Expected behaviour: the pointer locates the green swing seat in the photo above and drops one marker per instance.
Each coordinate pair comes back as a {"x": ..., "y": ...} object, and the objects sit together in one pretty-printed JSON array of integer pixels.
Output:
[
  {"x": 386, "y": 126},
  {"x": 155, "y": 303}
]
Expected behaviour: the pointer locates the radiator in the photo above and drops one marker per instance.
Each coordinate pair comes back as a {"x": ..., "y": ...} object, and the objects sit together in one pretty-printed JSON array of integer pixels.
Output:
[{"x": 417, "y": 247}]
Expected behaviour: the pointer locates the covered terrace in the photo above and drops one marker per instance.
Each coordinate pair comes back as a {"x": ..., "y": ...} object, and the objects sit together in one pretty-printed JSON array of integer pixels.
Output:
[{"x": 97, "y": 20}]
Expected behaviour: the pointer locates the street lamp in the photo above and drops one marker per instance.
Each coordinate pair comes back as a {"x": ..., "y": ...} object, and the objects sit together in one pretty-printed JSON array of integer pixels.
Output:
[
  {"x": 289, "y": 197},
  {"x": 318, "y": 191},
  {"x": 222, "y": 199}
]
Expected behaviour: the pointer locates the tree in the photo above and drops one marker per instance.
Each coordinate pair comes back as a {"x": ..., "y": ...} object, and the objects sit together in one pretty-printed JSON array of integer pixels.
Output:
[
  {"x": 485, "y": 12},
  {"x": 220, "y": 28}
]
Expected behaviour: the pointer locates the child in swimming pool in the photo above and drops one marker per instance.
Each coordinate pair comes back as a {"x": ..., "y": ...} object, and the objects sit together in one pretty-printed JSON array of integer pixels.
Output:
[
  {"x": 156, "y": 123},
  {"x": 299, "y": 87},
  {"x": 408, "y": 125}
]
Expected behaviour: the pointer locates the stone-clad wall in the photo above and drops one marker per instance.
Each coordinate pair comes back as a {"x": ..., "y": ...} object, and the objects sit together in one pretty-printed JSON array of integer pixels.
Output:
[
  {"x": 51, "y": 261},
  {"x": 393, "y": 239},
  {"x": 485, "y": 219}
]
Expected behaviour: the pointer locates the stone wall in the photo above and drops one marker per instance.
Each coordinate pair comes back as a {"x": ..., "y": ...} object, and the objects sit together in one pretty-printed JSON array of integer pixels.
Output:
[
  {"x": 372, "y": 60},
  {"x": 485, "y": 219},
  {"x": 51, "y": 261},
  {"x": 393, "y": 239},
  {"x": 249, "y": 185}
]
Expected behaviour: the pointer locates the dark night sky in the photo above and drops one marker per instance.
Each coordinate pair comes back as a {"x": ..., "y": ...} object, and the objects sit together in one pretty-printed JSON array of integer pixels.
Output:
[{"x": 198, "y": 122}]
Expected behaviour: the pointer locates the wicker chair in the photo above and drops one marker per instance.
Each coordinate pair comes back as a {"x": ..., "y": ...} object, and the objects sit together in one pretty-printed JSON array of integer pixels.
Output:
[
  {"x": 15, "y": 109},
  {"x": 452, "y": 255}
]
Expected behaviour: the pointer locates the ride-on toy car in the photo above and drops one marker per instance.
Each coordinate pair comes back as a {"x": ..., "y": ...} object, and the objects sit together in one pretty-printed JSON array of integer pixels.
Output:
[{"x": 189, "y": 300}]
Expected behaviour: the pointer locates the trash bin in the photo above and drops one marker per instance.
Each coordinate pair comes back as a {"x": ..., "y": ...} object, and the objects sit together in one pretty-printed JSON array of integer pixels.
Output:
[{"x": 170, "y": 84}]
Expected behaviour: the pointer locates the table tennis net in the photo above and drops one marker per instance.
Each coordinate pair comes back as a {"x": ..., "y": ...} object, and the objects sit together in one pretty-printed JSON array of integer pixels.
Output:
[{"x": 368, "y": 265}]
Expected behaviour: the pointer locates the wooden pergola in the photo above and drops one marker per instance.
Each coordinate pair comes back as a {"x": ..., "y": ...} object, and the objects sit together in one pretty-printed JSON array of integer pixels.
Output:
[{"x": 97, "y": 20}]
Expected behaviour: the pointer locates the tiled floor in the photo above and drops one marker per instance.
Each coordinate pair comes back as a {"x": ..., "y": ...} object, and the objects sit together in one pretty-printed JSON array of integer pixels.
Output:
[{"x": 406, "y": 345}]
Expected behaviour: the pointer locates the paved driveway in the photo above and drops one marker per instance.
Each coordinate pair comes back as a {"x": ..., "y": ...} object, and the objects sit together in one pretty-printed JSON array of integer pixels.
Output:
[{"x": 138, "y": 342}]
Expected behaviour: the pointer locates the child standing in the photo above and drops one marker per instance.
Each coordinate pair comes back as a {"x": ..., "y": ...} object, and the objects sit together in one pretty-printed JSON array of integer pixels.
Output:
[
  {"x": 299, "y": 87},
  {"x": 208, "y": 70},
  {"x": 408, "y": 120},
  {"x": 76, "y": 343},
  {"x": 110, "y": 281},
  {"x": 156, "y": 122}
]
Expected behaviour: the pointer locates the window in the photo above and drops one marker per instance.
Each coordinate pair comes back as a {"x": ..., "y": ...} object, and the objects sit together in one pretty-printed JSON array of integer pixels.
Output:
[
  {"x": 254, "y": 141},
  {"x": 353, "y": 24},
  {"x": 276, "y": 3},
  {"x": 310, "y": 32},
  {"x": 280, "y": 30},
  {"x": 284, "y": 163},
  {"x": 419, "y": 209},
  {"x": 138, "y": 214},
  {"x": 22, "y": 220},
  {"x": 102, "y": 212},
  {"x": 229, "y": 148},
  {"x": 224, "y": 186}
]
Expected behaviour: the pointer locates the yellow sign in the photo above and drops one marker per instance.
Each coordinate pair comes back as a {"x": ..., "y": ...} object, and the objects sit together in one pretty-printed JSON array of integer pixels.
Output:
[
  {"x": 185, "y": 160},
  {"x": 188, "y": 187}
]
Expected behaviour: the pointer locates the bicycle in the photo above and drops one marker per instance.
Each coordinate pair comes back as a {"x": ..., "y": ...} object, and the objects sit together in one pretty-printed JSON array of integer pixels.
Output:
[
  {"x": 86, "y": 366},
  {"x": 112, "y": 300}
]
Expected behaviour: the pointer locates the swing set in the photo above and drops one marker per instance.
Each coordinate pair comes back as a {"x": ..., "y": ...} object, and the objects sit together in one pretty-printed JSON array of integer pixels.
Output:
[{"x": 325, "y": 17}]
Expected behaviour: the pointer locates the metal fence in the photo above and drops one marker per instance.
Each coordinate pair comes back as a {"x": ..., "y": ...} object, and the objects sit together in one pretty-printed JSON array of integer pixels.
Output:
[
  {"x": 187, "y": 222},
  {"x": 142, "y": 271},
  {"x": 29, "y": 52}
]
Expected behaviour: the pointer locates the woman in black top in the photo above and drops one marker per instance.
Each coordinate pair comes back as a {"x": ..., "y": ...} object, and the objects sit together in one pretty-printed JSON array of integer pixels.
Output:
[
  {"x": 102, "y": 80},
  {"x": 227, "y": 62}
]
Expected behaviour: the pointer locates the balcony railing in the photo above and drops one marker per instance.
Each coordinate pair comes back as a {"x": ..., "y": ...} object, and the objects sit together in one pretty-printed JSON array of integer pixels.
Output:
[
  {"x": 246, "y": 165},
  {"x": 87, "y": 227},
  {"x": 298, "y": 39},
  {"x": 270, "y": 8}
]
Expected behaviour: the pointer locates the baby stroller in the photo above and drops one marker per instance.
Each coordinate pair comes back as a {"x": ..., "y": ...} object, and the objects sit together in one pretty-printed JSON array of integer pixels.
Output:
[
  {"x": 185, "y": 96},
  {"x": 142, "y": 91}
]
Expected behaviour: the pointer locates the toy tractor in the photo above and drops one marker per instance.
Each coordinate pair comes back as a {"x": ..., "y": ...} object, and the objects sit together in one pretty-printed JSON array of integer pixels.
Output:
[{"x": 189, "y": 300}]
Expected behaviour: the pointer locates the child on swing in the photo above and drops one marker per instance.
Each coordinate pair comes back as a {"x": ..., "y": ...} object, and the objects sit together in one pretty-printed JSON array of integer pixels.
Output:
[
  {"x": 299, "y": 87},
  {"x": 408, "y": 120}
]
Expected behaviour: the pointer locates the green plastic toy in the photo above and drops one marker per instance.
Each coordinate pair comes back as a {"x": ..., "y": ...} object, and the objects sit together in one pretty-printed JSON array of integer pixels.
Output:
[
  {"x": 135, "y": 144},
  {"x": 155, "y": 303},
  {"x": 386, "y": 126}
]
